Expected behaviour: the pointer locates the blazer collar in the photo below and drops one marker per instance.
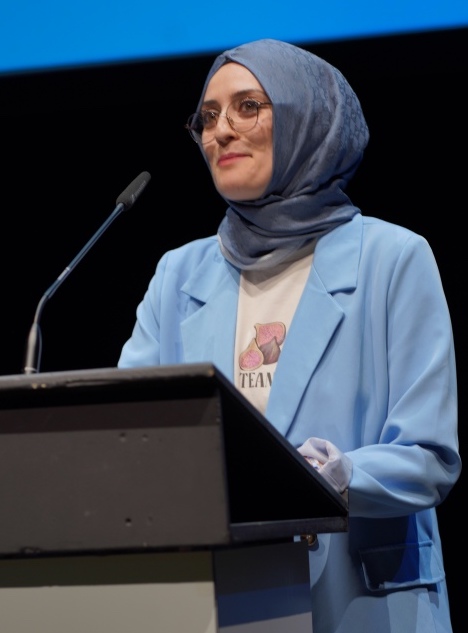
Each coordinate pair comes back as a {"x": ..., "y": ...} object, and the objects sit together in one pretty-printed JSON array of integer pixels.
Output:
[{"x": 337, "y": 256}]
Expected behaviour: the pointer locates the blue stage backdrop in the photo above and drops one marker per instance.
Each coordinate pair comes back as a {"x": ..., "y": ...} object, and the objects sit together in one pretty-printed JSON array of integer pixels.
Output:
[{"x": 48, "y": 34}]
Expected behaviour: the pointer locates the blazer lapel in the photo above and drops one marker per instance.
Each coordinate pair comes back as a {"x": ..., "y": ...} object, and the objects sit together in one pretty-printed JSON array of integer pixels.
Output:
[
  {"x": 318, "y": 315},
  {"x": 209, "y": 332}
]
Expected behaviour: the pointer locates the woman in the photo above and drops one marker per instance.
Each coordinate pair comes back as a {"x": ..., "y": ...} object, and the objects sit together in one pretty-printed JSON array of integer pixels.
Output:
[{"x": 333, "y": 324}]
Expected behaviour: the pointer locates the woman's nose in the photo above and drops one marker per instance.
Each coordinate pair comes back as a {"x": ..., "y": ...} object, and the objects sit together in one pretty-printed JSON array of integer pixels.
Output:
[{"x": 224, "y": 127}]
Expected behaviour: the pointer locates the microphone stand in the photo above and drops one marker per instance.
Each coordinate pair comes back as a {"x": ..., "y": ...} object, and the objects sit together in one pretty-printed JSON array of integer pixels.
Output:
[{"x": 34, "y": 344}]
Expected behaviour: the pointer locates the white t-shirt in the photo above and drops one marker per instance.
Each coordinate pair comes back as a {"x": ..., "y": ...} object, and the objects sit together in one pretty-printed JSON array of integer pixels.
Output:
[{"x": 267, "y": 303}]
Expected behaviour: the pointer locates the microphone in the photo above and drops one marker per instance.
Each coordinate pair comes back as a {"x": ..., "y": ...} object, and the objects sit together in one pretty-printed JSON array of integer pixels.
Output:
[{"x": 125, "y": 201}]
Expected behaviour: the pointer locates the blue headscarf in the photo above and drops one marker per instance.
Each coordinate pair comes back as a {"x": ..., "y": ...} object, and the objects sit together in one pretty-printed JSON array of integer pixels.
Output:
[{"x": 319, "y": 137}]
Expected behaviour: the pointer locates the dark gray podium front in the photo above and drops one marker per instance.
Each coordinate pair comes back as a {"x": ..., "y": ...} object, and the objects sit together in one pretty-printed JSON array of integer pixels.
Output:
[{"x": 153, "y": 499}]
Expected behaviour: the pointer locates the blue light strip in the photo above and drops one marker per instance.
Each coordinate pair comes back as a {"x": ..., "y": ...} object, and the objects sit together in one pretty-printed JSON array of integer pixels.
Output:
[{"x": 46, "y": 34}]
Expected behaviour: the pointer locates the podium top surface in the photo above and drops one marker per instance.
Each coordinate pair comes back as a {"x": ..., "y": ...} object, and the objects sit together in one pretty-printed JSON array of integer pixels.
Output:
[{"x": 32, "y": 387}]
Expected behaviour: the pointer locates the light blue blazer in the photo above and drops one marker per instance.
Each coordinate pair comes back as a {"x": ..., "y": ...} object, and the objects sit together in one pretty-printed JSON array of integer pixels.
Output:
[{"x": 369, "y": 364}]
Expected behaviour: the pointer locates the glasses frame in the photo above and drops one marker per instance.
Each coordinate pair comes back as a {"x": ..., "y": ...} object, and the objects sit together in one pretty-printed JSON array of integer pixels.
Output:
[{"x": 197, "y": 136}]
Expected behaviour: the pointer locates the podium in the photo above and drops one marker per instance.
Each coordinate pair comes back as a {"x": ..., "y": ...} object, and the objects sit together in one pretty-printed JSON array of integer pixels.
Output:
[{"x": 152, "y": 499}]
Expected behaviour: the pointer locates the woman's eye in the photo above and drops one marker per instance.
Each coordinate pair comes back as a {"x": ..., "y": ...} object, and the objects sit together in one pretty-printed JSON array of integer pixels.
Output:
[
  {"x": 248, "y": 107},
  {"x": 209, "y": 118}
]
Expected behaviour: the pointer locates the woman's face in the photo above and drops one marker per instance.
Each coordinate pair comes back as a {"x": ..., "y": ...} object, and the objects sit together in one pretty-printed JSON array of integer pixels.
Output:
[{"x": 241, "y": 163}]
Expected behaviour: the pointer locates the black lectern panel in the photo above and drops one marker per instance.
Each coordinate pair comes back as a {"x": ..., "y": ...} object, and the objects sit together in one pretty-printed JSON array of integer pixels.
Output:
[{"x": 147, "y": 459}]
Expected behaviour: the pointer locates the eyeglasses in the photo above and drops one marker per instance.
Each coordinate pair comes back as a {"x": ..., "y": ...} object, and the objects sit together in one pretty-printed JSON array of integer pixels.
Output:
[{"x": 241, "y": 114}]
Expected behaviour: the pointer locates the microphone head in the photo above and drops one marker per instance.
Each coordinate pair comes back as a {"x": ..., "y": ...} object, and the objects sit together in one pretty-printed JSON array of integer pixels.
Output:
[{"x": 129, "y": 196}]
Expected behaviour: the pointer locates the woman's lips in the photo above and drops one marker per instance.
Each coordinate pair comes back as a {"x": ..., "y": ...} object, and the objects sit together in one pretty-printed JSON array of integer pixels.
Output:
[{"x": 225, "y": 159}]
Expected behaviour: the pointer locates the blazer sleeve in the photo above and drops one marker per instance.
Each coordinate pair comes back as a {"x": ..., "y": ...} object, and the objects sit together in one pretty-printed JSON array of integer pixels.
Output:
[{"x": 416, "y": 461}]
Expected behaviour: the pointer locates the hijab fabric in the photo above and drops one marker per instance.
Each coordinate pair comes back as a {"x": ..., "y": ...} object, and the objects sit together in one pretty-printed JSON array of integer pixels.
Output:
[{"x": 319, "y": 137}]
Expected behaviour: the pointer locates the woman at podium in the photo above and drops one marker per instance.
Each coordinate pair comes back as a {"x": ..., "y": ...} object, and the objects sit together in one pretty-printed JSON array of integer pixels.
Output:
[{"x": 332, "y": 323}]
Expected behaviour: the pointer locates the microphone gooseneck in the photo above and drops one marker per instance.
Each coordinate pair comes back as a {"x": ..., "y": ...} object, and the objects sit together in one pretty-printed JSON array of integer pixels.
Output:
[{"x": 125, "y": 201}]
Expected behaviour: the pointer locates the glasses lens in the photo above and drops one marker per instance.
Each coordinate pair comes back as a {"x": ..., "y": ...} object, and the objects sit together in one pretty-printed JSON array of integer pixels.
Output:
[{"x": 241, "y": 115}]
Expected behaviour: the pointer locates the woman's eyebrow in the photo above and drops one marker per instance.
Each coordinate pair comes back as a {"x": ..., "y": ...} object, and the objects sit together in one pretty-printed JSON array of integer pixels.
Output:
[{"x": 211, "y": 103}]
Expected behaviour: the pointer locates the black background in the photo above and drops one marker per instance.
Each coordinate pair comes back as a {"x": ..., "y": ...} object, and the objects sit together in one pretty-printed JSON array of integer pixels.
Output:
[{"x": 72, "y": 140}]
